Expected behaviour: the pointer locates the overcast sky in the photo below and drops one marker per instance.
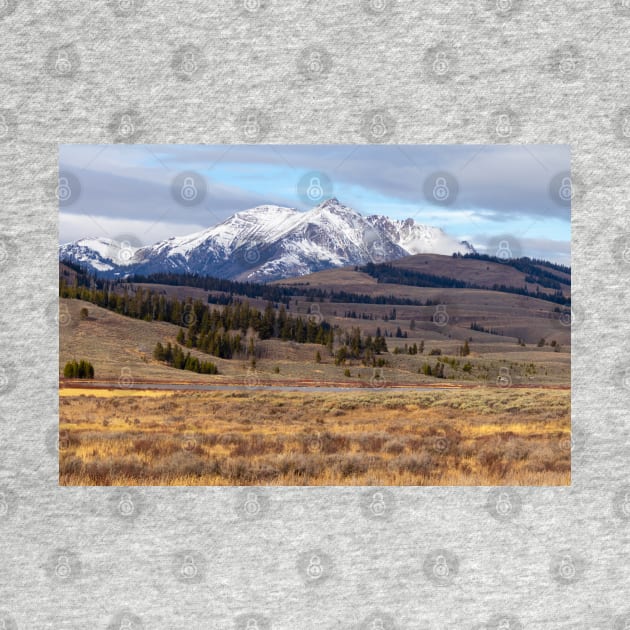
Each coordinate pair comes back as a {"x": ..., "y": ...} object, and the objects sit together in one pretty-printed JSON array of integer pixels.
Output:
[{"x": 496, "y": 192}]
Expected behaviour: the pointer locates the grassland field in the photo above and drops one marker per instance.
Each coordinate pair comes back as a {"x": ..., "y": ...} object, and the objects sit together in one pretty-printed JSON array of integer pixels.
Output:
[
  {"x": 458, "y": 430},
  {"x": 479, "y": 436}
]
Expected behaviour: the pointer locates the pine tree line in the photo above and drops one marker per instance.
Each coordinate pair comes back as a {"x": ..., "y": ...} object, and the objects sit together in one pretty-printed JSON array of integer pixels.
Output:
[
  {"x": 385, "y": 273},
  {"x": 413, "y": 349},
  {"x": 480, "y": 328},
  {"x": 214, "y": 331},
  {"x": 227, "y": 291},
  {"x": 356, "y": 346},
  {"x": 80, "y": 369},
  {"x": 174, "y": 356}
]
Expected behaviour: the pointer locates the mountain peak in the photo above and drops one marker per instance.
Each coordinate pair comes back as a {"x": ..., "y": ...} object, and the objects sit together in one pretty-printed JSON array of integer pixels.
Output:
[
  {"x": 272, "y": 242},
  {"x": 337, "y": 208}
]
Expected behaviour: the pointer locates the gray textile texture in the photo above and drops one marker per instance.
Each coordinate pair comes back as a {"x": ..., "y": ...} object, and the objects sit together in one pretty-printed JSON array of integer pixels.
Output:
[{"x": 314, "y": 72}]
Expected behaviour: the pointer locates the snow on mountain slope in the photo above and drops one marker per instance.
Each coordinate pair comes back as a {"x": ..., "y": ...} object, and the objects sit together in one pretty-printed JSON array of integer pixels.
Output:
[
  {"x": 103, "y": 254},
  {"x": 269, "y": 243},
  {"x": 416, "y": 238}
]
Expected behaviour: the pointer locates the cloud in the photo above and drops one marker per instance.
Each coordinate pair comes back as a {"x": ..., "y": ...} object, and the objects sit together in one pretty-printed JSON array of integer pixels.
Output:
[{"x": 500, "y": 186}]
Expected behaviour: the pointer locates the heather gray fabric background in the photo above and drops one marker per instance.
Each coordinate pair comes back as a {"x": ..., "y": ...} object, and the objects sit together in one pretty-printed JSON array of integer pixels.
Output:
[{"x": 313, "y": 72}]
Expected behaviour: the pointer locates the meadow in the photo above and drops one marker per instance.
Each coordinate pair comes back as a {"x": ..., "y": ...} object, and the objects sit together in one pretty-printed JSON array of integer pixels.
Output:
[{"x": 477, "y": 436}]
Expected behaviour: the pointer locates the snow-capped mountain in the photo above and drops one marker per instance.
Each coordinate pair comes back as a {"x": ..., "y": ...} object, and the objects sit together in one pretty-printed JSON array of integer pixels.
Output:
[{"x": 269, "y": 243}]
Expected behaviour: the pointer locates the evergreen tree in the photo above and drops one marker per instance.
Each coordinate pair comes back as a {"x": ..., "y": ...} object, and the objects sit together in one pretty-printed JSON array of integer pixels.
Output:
[{"x": 80, "y": 369}]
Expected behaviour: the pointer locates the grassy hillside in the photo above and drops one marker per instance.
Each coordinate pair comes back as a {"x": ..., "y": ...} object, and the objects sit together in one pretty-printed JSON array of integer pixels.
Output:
[
  {"x": 481, "y": 272},
  {"x": 113, "y": 343},
  {"x": 526, "y": 335}
]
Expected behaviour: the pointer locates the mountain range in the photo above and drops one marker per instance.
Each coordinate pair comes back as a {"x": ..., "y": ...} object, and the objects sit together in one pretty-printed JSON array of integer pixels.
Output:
[{"x": 269, "y": 243}]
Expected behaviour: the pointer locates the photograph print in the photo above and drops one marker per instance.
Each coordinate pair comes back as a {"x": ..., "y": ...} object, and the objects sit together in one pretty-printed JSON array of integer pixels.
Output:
[{"x": 338, "y": 315}]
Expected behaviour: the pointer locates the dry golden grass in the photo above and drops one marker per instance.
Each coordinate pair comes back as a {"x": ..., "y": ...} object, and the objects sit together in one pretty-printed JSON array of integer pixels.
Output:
[{"x": 481, "y": 436}]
